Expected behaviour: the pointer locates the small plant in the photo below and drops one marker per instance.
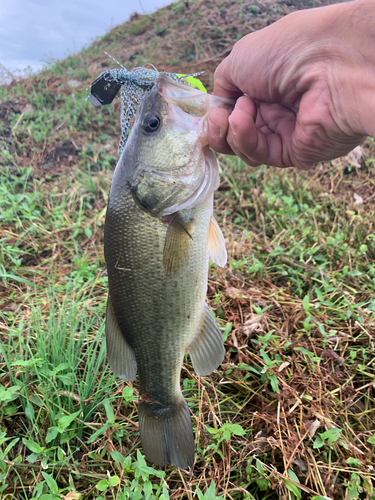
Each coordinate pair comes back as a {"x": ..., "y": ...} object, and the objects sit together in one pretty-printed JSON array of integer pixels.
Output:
[
  {"x": 327, "y": 438},
  {"x": 224, "y": 433},
  {"x": 210, "y": 493}
]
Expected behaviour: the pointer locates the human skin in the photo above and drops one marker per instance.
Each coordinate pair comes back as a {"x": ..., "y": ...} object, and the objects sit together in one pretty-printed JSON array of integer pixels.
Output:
[{"x": 305, "y": 87}]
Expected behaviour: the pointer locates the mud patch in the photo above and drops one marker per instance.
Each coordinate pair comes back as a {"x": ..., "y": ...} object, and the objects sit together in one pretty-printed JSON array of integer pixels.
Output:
[
  {"x": 7, "y": 110},
  {"x": 61, "y": 155}
]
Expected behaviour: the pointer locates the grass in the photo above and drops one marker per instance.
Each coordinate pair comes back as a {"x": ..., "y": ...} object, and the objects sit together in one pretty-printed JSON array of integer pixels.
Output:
[{"x": 290, "y": 413}]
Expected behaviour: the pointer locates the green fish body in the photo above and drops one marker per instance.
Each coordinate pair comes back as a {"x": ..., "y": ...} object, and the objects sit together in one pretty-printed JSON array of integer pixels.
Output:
[{"x": 157, "y": 262}]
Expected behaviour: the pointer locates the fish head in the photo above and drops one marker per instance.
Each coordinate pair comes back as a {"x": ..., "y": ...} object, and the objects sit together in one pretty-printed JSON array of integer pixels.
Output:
[{"x": 169, "y": 165}]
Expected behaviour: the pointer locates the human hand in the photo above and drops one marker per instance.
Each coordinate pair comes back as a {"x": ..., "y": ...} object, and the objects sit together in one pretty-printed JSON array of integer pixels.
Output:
[{"x": 305, "y": 86}]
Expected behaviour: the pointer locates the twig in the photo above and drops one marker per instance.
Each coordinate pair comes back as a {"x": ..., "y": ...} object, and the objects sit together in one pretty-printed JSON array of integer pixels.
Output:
[{"x": 7, "y": 71}]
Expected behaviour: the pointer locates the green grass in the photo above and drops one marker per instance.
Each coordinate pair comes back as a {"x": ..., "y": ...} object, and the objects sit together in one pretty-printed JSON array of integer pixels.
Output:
[{"x": 289, "y": 414}]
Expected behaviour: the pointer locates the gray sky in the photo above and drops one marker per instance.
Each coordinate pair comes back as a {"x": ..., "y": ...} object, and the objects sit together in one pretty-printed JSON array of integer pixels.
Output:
[{"x": 32, "y": 31}]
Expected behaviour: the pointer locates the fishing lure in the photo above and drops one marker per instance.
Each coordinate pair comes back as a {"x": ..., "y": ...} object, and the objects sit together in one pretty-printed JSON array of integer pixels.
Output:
[{"x": 134, "y": 84}]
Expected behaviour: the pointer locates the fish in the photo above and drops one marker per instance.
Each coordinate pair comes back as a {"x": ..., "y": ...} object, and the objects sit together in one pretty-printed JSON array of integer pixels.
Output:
[{"x": 159, "y": 236}]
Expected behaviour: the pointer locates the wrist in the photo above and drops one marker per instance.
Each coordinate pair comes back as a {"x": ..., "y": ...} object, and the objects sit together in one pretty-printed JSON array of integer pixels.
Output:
[
  {"x": 352, "y": 73},
  {"x": 339, "y": 61}
]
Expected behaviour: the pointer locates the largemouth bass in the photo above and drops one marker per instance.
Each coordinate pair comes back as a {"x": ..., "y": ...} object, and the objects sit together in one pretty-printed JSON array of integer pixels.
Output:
[{"x": 159, "y": 235}]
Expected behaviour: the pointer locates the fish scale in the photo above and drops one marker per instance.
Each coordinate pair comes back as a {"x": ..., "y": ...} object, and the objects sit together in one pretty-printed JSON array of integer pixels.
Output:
[{"x": 145, "y": 290}]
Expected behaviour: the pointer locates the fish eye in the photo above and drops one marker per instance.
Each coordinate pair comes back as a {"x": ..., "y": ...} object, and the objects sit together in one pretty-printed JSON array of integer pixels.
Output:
[{"x": 151, "y": 123}]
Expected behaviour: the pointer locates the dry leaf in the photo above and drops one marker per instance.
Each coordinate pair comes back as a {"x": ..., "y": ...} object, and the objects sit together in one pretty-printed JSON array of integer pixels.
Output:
[
  {"x": 314, "y": 427},
  {"x": 73, "y": 495},
  {"x": 251, "y": 325},
  {"x": 335, "y": 357},
  {"x": 300, "y": 464},
  {"x": 27, "y": 109},
  {"x": 358, "y": 200},
  {"x": 354, "y": 158},
  {"x": 283, "y": 365},
  {"x": 232, "y": 293}
]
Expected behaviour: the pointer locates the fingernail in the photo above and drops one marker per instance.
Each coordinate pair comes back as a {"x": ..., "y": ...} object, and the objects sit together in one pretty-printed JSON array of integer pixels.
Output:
[
  {"x": 239, "y": 104},
  {"x": 215, "y": 131},
  {"x": 233, "y": 127}
]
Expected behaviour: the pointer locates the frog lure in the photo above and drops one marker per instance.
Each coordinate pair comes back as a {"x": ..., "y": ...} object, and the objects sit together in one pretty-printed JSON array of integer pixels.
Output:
[{"x": 135, "y": 85}]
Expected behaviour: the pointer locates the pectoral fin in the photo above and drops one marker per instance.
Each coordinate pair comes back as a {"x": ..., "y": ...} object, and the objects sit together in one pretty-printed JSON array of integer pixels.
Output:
[
  {"x": 177, "y": 246},
  {"x": 121, "y": 356},
  {"x": 216, "y": 244},
  {"x": 207, "y": 351}
]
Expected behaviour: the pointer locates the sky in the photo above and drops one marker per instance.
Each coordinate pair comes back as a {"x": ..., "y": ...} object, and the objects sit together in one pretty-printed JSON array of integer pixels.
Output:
[{"x": 33, "y": 31}]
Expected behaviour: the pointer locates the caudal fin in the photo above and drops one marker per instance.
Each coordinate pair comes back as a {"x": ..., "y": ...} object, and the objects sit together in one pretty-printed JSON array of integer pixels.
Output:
[{"x": 167, "y": 434}]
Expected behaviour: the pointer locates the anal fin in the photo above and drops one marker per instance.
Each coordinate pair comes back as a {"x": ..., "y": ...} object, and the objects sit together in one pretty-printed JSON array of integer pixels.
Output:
[
  {"x": 121, "y": 356},
  {"x": 207, "y": 350},
  {"x": 216, "y": 244}
]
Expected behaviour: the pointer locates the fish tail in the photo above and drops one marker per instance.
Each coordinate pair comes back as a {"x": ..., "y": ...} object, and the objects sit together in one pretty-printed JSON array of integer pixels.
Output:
[{"x": 167, "y": 434}]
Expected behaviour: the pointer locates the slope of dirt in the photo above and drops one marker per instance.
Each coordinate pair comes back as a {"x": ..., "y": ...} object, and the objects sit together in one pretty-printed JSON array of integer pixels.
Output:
[{"x": 188, "y": 36}]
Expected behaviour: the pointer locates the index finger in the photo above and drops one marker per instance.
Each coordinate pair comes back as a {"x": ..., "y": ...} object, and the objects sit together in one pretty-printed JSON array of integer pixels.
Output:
[{"x": 224, "y": 86}]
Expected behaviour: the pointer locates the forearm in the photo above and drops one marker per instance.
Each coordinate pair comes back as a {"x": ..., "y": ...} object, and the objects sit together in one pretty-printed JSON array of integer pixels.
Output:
[
  {"x": 333, "y": 49},
  {"x": 342, "y": 42},
  {"x": 358, "y": 37}
]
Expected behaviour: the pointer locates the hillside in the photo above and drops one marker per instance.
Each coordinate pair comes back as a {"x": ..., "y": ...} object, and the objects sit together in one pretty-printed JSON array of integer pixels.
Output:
[{"x": 290, "y": 413}]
